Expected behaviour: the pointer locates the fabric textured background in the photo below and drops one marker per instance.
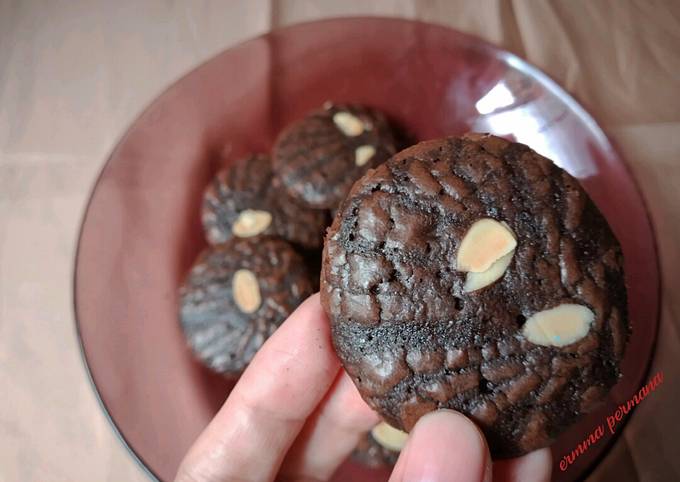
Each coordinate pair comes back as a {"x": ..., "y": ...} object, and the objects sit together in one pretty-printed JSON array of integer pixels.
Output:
[{"x": 75, "y": 73}]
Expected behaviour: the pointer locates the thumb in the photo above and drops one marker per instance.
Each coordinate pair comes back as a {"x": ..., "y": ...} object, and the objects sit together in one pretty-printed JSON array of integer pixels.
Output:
[{"x": 444, "y": 446}]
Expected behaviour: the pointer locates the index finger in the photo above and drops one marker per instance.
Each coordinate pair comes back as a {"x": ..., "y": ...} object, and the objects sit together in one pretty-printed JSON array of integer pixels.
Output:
[{"x": 268, "y": 407}]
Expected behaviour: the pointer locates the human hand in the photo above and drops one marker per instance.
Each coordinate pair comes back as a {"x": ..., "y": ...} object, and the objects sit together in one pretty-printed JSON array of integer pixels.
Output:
[{"x": 296, "y": 415}]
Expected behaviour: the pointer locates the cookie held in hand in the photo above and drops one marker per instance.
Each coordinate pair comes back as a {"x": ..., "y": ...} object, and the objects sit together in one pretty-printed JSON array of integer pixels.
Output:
[
  {"x": 474, "y": 274},
  {"x": 235, "y": 297}
]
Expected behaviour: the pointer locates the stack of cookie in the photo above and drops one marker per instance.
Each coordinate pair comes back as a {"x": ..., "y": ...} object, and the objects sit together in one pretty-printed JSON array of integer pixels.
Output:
[{"x": 264, "y": 218}]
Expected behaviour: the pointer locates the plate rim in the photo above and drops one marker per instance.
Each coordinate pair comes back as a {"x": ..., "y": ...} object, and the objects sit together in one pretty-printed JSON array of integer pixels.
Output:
[{"x": 513, "y": 60}]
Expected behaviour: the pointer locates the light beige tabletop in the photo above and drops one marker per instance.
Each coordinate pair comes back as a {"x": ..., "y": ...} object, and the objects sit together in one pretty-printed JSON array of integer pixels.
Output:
[{"x": 75, "y": 73}]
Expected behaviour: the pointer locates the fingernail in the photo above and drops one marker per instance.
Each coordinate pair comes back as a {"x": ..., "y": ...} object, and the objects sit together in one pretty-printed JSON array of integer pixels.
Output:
[{"x": 445, "y": 446}]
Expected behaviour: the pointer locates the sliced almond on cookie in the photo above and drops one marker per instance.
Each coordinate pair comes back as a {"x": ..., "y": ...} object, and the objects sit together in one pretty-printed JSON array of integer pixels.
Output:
[
  {"x": 485, "y": 242},
  {"x": 389, "y": 437},
  {"x": 559, "y": 326},
  {"x": 475, "y": 281},
  {"x": 251, "y": 222},
  {"x": 349, "y": 124},
  {"x": 363, "y": 154},
  {"x": 246, "y": 291}
]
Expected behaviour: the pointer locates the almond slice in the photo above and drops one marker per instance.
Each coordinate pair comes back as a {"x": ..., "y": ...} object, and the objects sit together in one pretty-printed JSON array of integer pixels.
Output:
[
  {"x": 559, "y": 326},
  {"x": 485, "y": 242},
  {"x": 349, "y": 124},
  {"x": 251, "y": 222},
  {"x": 363, "y": 154},
  {"x": 476, "y": 281},
  {"x": 389, "y": 437},
  {"x": 246, "y": 291}
]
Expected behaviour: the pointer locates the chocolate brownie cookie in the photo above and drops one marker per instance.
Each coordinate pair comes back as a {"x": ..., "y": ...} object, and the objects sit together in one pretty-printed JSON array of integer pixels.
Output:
[
  {"x": 474, "y": 274},
  {"x": 236, "y": 295},
  {"x": 380, "y": 447},
  {"x": 245, "y": 200},
  {"x": 319, "y": 157}
]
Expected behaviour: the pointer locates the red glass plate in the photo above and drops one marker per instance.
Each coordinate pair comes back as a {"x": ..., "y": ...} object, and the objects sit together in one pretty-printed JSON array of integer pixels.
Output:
[{"x": 141, "y": 230}]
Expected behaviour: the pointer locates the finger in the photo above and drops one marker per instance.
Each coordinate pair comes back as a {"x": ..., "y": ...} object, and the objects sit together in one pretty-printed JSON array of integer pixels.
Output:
[
  {"x": 330, "y": 434},
  {"x": 535, "y": 466},
  {"x": 444, "y": 445},
  {"x": 263, "y": 415}
]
